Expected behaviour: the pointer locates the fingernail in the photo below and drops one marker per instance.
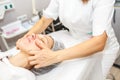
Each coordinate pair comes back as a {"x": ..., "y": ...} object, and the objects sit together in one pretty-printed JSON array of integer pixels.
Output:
[{"x": 36, "y": 67}]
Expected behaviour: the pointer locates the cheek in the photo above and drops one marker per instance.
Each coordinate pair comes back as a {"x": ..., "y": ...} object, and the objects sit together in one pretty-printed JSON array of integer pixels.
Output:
[
  {"x": 26, "y": 42},
  {"x": 34, "y": 46},
  {"x": 30, "y": 44}
]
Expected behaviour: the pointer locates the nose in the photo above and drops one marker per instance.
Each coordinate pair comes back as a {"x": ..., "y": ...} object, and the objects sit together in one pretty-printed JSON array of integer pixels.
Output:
[{"x": 31, "y": 38}]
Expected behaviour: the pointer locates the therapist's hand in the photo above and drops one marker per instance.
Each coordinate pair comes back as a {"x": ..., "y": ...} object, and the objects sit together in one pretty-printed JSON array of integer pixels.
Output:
[{"x": 42, "y": 58}]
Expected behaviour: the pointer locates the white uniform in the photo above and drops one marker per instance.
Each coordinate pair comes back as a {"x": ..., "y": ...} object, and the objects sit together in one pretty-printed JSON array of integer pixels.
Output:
[{"x": 83, "y": 21}]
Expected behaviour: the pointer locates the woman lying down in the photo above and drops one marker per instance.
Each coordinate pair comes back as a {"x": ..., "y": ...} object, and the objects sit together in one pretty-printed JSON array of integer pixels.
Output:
[{"x": 28, "y": 43}]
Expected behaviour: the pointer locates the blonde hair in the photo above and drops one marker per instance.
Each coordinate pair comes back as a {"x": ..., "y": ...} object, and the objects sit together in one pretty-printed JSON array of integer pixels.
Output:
[{"x": 84, "y": 1}]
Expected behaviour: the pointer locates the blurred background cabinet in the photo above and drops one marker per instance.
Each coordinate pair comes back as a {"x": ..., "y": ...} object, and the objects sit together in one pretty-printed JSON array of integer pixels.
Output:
[{"x": 116, "y": 26}]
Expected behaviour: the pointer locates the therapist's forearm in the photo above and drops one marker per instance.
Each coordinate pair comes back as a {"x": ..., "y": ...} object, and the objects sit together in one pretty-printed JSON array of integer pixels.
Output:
[
  {"x": 41, "y": 25},
  {"x": 84, "y": 49}
]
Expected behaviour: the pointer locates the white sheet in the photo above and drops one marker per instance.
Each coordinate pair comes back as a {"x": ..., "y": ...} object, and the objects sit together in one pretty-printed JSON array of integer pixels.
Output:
[
  {"x": 76, "y": 69},
  {"x": 14, "y": 73},
  {"x": 10, "y": 72}
]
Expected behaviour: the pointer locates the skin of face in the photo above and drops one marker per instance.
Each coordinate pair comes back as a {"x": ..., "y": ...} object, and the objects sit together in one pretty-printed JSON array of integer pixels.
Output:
[{"x": 28, "y": 42}]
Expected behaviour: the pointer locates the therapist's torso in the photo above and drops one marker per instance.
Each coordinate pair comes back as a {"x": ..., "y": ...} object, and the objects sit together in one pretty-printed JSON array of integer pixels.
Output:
[{"x": 76, "y": 16}]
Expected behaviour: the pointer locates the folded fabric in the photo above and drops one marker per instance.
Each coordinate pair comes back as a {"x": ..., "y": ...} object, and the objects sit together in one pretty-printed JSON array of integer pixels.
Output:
[{"x": 10, "y": 72}]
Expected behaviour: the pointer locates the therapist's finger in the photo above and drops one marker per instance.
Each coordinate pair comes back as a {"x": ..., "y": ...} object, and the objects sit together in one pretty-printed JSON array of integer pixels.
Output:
[
  {"x": 40, "y": 45},
  {"x": 33, "y": 62},
  {"x": 42, "y": 38},
  {"x": 32, "y": 52},
  {"x": 17, "y": 44},
  {"x": 31, "y": 58},
  {"x": 37, "y": 66}
]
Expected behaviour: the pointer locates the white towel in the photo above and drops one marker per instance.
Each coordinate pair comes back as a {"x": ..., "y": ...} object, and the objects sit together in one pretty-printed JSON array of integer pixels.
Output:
[{"x": 10, "y": 72}]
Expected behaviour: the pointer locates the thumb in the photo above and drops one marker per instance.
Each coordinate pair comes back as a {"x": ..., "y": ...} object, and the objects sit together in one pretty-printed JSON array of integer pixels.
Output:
[{"x": 40, "y": 44}]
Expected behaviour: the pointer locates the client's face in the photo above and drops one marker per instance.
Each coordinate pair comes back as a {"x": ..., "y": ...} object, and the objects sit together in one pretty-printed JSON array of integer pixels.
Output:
[{"x": 28, "y": 43}]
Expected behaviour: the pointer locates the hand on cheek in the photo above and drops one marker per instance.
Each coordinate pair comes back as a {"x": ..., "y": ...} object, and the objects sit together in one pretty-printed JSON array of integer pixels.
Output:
[
  {"x": 42, "y": 58},
  {"x": 47, "y": 40}
]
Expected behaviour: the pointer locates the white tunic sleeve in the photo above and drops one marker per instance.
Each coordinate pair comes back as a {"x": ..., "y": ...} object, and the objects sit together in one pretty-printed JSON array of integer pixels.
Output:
[
  {"x": 102, "y": 16},
  {"x": 52, "y": 10}
]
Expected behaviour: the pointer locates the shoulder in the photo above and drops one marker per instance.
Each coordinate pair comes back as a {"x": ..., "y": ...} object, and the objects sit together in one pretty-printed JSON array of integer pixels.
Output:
[{"x": 102, "y": 2}]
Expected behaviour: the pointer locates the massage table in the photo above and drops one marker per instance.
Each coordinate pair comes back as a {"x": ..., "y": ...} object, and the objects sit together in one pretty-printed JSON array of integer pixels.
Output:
[{"x": 88, "y": 68}]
